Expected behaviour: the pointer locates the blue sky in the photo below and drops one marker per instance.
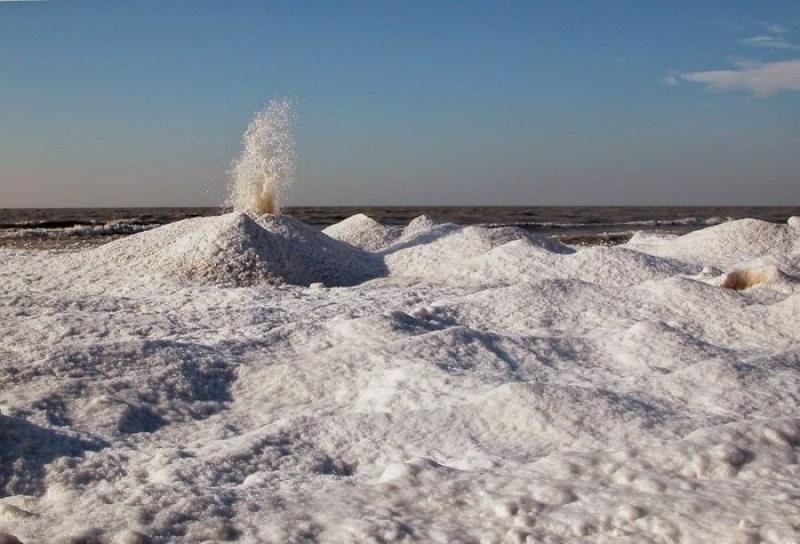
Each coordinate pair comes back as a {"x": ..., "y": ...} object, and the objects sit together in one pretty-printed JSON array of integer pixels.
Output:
[{"x": 527, "y": 103}]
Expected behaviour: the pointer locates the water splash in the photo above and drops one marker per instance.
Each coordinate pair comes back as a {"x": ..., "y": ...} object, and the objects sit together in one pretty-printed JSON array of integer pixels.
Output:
[{"x": 264, "y": 171}]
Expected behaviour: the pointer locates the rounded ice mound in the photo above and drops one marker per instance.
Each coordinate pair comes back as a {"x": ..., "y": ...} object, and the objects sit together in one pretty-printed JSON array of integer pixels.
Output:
[
  {"x": 726, "y": 244},
  {"x": 618, "y": 266},
  {"x": 794, "y": 221},
  {"x": 423, "y": 223},
  {"x": 438, "y": 252},
  {"x": 521, "y": 261},
  {"x": 236, "y": 249},
  {"x": 644, "y": 237},
  {"x": 363, "y": 232}
]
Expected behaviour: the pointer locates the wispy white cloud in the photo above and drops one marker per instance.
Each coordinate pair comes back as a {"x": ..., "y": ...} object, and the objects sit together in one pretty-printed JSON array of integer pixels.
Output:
[
  {"x": 672, "y": 78},
  {"x": 770, "y": 42},
  {"x": 772, "y": 28},
  {"x": 765, "y": 79},
  {"x": 771, "y": 36}
]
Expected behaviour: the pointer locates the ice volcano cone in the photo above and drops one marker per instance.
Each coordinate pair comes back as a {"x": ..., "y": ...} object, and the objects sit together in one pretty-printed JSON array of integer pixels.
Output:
[
  {"x": 237, "y": 249},
  {"x": 251, "y": 246}
]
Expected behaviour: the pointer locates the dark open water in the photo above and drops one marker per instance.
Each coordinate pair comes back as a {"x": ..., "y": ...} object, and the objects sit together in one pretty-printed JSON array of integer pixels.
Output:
[{"x": 80, "y": 227}]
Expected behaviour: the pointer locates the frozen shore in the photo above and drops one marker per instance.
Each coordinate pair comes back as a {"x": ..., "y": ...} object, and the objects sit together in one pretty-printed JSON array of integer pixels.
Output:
[{"x": 251, "y": 379}]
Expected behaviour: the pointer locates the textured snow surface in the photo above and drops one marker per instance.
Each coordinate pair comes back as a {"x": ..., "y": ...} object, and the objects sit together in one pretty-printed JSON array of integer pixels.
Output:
[{"x": 204, "y": 382}]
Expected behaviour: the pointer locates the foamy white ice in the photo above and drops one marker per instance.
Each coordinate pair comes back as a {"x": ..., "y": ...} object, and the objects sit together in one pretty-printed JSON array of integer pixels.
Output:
[{"x": 196, "y": 383}]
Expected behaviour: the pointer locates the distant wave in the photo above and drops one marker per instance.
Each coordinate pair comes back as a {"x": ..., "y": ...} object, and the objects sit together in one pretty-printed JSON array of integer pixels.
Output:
[
  {"x": 680, "y": 222},
  {"x": 72, "y": 229}
]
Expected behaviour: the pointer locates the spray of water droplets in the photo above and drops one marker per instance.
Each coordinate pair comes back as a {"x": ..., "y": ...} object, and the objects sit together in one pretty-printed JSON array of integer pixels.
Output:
[{"x": 262, "y": 175}]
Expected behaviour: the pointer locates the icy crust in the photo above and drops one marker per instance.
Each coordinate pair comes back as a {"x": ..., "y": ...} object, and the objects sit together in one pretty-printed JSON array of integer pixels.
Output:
[
  {"x": 512, "y": 390},
  {"x": 682, "y": 491}
]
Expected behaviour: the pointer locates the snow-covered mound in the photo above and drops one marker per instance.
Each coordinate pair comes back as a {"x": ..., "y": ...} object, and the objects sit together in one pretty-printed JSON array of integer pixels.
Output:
[
  {"x": 725, "y": 244},
  {"x": 437, "y": 251},
  {"x": 488, "y": 385},
  {"x": 236, "y": 249},
  {"x": 523, "y": 260},
  {"x": 423, "y": 223},
  {"x": 362, "y": 231}
]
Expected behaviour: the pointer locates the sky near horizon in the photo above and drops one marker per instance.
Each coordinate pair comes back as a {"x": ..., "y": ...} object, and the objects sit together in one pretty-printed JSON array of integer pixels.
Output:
[{"x": 106, "y": 103}]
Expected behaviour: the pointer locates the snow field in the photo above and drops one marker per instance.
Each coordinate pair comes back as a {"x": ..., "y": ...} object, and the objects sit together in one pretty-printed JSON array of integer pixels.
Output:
[{"x": 249, "y": 379}]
